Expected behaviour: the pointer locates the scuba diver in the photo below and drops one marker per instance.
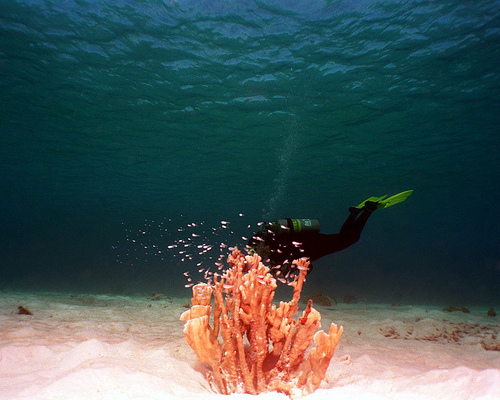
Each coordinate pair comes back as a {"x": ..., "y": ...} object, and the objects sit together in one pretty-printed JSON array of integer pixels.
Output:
[{"x": 285, "y": 240}]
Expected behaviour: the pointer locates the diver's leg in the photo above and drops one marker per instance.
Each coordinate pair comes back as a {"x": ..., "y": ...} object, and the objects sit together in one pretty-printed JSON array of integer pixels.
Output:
[
  {"x": 348, "y": 224},
  {"x": 356, "y": 221},
  {"x": 324, "y": 244},
  {"x": 359, "y": 224},
  {"x": 348, "y": 235}
]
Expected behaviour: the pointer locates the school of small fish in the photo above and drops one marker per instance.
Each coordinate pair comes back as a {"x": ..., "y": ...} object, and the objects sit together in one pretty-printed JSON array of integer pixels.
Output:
[{"x": 193, "y": 243}]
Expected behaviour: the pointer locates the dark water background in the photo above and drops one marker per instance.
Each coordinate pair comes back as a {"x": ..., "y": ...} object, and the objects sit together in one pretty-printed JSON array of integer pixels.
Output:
[{"x": 123, "y": 121}]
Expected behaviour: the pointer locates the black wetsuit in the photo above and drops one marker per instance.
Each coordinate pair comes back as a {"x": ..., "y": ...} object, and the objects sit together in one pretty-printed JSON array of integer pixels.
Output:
[{"x": 286, "y": 247}]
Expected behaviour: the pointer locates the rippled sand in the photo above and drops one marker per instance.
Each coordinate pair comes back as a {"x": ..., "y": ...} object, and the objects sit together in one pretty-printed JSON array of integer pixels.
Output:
[{"x": 117, "y": 347}]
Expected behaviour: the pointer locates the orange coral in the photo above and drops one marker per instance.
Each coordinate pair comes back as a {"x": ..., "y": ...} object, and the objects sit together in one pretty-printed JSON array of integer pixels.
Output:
[{"x": 263, "y": 347}]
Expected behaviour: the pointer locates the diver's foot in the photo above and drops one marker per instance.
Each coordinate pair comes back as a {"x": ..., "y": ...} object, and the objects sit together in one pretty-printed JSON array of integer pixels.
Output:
[
  {"x": 374, "y": 203},
  {"x": 372, "y": 199},
  {"x": 371, "y": 206}
]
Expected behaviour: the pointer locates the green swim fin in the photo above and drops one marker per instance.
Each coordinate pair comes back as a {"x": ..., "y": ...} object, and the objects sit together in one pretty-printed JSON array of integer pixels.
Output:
[
  {"x": 397, "y": 198},
  {"x": 374, "y": 199}
]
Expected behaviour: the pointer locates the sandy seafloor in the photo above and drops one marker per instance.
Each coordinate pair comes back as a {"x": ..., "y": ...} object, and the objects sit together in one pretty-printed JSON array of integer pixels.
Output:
[{"x": 118, "y": 347}]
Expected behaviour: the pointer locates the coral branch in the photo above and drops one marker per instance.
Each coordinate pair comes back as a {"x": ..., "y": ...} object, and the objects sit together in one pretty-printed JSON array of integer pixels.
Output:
[{"x": 263, "y": 347}]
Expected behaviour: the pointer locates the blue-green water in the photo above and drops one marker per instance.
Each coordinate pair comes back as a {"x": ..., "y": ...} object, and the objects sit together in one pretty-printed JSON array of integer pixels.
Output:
[{"x": 116, "y": 116}]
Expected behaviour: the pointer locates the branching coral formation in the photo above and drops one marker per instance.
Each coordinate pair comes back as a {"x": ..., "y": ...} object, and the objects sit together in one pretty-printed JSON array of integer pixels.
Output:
[{"x": 261, "y": 346}]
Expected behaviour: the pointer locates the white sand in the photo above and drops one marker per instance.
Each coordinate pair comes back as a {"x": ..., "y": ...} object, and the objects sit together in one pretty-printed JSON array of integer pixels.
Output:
[{"x": 116, "y": 347}]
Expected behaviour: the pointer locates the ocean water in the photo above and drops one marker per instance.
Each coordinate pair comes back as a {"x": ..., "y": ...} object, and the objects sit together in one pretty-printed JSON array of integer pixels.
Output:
[{"x": 130, "y": 127}]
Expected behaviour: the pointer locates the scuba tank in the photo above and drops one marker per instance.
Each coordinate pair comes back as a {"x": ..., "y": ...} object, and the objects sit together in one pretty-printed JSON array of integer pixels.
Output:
[{"x": 295, "y": 226}]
